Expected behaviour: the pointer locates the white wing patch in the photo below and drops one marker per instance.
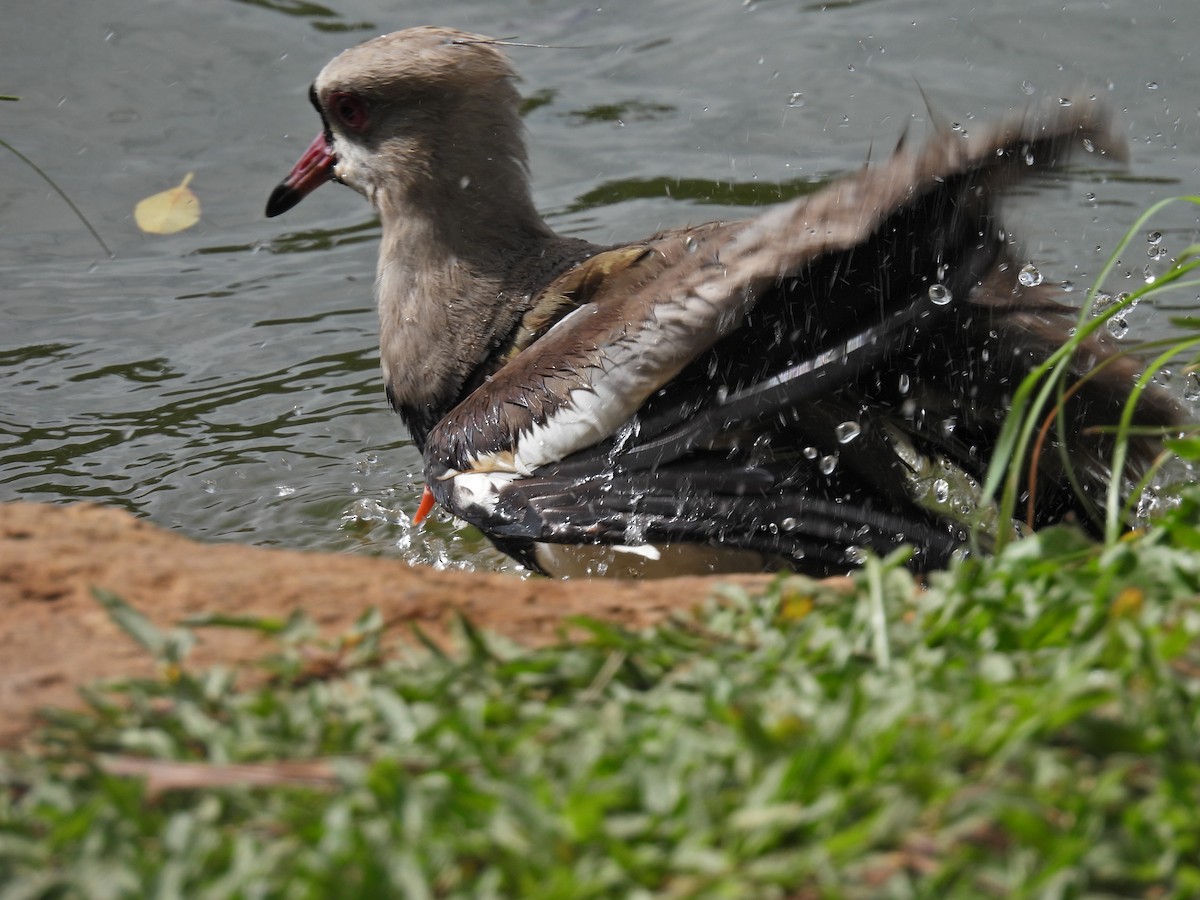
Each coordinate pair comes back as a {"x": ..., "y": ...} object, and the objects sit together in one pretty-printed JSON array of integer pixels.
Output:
[
  {"x": 479, "y": 490},
  {"x": 589, "y": 416}
]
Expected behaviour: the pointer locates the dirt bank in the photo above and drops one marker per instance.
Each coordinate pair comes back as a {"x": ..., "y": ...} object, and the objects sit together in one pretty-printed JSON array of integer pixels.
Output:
[{"x": 54, "y": 636}]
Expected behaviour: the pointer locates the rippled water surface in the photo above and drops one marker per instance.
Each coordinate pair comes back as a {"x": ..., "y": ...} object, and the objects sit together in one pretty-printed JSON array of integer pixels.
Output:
[{"x": 224, "y": 381}]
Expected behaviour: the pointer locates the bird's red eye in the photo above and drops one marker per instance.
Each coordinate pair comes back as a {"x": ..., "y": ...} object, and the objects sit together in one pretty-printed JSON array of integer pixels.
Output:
[{"x": 350, "y": 110}]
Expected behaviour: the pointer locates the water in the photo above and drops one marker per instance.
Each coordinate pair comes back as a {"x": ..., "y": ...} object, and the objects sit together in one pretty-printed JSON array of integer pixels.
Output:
[{"x": 223, "y": 381}]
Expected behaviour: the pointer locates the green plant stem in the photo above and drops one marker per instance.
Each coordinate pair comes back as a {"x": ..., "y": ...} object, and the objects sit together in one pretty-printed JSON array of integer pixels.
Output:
[
  {"x": 75, "y": 209},
  {"x": 1113, "y": 504},
  {"x": 1036, "y": 390}
]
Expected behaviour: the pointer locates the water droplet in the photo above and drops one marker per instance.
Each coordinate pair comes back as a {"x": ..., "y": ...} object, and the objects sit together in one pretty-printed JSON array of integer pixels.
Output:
[
  {"x": 1156, "y": 253},
  {"x": 796, "y": 100},
  {"x": 691, "y": 245},
  {"x": 847, "y": 431},
  {"x": 1154, "y": 237},
  {"x": 722, "y": 392},
  {"x": 939, "y": 294},
  {"x": 284, "y": 490},
  {"x": 1028, "y": 88},
  {"x": 1191, "y": 389},
  {"x": 941, "y": 490},
  {"x": 789, "y": 524},
  {"x": 464, "y": 182},
  {"x": 1029, "y": 275},
  {"x": 1067, "y": 287},
  {"x": 1101, "y": 302},
  {"x": 1118, "y": 327},
  {"x": 948, "y": 425},
  {"x": 1152, "y": 85},
  {"x": 828, "y": 464},
  {"x": 904, "y": 383},
  {"x": 210, "y": 486},
  {"x": 1064, "y": 101},
  {"x": 1089, "y": 197},
  {"x": 809, "y": 452},
  {"x": 1088, "y": 145},
  {"x": 856, "y": 556}
]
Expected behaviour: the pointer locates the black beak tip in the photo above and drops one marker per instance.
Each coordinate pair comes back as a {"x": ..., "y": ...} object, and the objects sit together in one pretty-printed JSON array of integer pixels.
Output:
[{"x": 282, "y": 199}]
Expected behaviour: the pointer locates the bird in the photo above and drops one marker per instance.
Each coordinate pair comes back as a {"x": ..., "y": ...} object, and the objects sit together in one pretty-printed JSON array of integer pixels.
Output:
[{"x": 763, "y": 393}]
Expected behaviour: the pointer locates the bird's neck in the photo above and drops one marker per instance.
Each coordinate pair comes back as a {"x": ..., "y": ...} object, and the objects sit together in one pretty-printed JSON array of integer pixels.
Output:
[{"x": 457, "y": 271}]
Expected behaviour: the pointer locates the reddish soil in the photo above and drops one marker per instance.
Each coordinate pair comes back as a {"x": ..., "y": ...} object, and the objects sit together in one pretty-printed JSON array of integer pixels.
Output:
[{"x": 54, "y": 636}]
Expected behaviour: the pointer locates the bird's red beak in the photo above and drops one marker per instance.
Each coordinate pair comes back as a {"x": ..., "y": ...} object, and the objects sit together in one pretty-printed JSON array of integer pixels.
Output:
[{"x": 313, "y": 170}]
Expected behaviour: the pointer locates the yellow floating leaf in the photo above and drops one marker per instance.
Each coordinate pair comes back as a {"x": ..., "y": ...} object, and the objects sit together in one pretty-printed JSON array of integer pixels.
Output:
[{"x": 169, "y": 211}]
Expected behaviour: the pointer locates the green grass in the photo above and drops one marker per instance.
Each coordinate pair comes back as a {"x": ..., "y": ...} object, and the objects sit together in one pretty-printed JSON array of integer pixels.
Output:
[{"x": 1027, "y": 725}]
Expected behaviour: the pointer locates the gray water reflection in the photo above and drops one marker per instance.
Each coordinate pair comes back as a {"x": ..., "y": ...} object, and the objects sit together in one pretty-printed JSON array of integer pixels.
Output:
[{"x": 223, "y": 381}]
